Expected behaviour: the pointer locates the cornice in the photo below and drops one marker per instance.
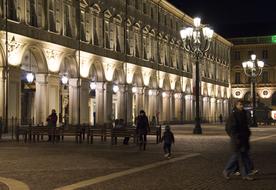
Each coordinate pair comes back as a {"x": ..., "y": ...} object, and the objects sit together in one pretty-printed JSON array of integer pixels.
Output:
[{"x": 186, "y": 18}]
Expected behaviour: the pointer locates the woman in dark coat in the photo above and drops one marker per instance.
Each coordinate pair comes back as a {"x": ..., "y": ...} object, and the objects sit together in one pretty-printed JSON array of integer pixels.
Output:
[
  {"x": 52, "y": 123},
  {"x": 142, "y": 129}
]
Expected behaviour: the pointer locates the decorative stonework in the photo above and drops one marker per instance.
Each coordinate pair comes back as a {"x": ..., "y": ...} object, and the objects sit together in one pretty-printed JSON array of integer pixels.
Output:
[
  {"x": 13, "y": 51},
  {"x": 52, "y": 57}
]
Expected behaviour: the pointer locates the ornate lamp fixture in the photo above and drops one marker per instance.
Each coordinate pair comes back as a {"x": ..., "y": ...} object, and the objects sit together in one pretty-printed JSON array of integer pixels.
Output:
[{"x": 197, "y": 41}]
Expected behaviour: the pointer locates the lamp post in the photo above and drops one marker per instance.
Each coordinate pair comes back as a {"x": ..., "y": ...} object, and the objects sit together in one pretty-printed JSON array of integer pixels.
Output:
[
  {"x": 253, "y": 68},
  {"x": 197, "y": 41}
]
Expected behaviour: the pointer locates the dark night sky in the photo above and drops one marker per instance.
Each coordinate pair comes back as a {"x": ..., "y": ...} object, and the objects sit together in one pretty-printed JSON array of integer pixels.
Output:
[{"x": 233, "y": 18}]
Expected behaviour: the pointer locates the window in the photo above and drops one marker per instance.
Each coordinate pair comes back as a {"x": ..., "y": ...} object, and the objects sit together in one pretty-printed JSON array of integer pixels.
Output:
[
  {"x": 95, "y": 26},
  {"x": 171, "y": 24},
  {"x": 52, "y": 23},
  {"x": 265, "y": 77},
  {"x": 33, "y": 16},
  {"x": 237, "y": 55},
  {"x": 67, "y": 26},
  {"x": 265, "y": 54},
  {"x": 151, "y": 13},
  {"x": 82, "y": 26},
  {"x": 106, "y": 34},
  {"x": 12, "y": 10},
  {"x": 237, "y": 78},
  {"x": 144, "y": 8},
  {"x": 136, "y": 4}
]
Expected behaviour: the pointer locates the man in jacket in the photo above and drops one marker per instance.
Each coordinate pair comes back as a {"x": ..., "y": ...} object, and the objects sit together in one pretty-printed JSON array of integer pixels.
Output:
[
  {"x": 142, "y": 129},
  {"x": 238, "y": 130}
]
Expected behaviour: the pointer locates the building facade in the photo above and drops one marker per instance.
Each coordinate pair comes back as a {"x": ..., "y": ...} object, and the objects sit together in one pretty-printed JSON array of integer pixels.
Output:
[
  {"x": 128, "y": 51},
  {"x": 264, "y": 47}
]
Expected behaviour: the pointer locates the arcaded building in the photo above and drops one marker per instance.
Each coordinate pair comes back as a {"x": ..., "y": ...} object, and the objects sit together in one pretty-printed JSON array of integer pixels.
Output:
[
  {"x": 264, "y": 47},
  {"x": 98, "y": 60}
]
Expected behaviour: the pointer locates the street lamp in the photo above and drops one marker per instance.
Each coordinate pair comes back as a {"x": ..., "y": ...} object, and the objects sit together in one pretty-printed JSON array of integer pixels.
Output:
[
  {"x": 253, "y": 68},
  {"x": 197, "y": 41}
]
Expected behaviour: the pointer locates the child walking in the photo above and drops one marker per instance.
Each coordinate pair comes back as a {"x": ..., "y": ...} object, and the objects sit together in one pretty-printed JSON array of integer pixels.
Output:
[{"x": 168, "y": 139}]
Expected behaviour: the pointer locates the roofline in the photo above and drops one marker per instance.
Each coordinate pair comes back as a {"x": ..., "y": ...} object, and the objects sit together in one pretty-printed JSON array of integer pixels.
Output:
[{"x": 182, "y": 16}]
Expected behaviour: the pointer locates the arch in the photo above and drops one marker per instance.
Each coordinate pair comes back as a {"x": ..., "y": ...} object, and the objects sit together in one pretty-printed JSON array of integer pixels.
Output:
[
  {"x": 273, "y": 99},
  {"x": 69, "y": 65},
  {"x": 166, "y": 84},
  {"x": 188, "y": 89},
  {"x": 96, "y": 70},
  {"x": 39, "y": 56},
  {"x": 153, "y": 82},
  {"x": 137, "y": 25},
  {"x": 95, "y": 8},
  {"x": 205, "y": 90},
  {"x": 107, "y": 14},
  {"x": 2, "y": 56},
  {"x": 137, "y": 78},
  {"x": 118, "y": 18},
  {"x": 146, "y": 29},
  {"x": 178, "y": 86},
  {"x": 219, "y": 92},
  {"x": 118, "y": 76},
  {"x": 152, "y": 32}
]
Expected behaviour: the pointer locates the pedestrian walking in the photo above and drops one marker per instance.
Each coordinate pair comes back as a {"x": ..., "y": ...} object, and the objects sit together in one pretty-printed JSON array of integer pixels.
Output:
[
  {"x": 52, "y": 123},
  {"x": 238, "y": 130},
  {"x": 168, "y": 139},
  {"x": 142, "y": 129},
  {"x": 220, "y": 118}
]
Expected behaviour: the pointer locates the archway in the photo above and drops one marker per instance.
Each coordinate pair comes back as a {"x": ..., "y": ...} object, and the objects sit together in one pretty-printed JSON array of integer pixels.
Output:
[
  {"x": 68, "y": 75},
  {"x": 32, "y": 106}
]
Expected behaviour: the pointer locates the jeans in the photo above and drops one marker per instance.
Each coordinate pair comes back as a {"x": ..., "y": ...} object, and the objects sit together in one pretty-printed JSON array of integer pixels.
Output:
[
  {"x": 167, "y": 148},
  {"x": 233, "y": 163}
]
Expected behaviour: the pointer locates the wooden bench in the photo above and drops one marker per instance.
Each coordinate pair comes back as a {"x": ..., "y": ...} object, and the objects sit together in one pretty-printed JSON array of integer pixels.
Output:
[
  {"x": 157, "y": 132},
  {"x": 37, "y": 132},
  {"x": 75, "y": 131},
  {"x": 22, "y": 130},
  {"x": 123, "y": 132},
  {"x": 95, "y": 131}
]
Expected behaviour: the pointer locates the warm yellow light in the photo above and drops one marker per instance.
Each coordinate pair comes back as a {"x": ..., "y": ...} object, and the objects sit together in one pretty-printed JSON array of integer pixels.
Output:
[
  {"x": 84, "y": 69},
  {"x": 13, "y": 59},
  {"x": 53, "y": 64}
]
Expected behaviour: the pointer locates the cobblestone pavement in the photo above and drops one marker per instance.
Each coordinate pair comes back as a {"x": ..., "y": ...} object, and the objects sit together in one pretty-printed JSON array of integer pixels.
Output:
[{"x": 44, "y": 166}]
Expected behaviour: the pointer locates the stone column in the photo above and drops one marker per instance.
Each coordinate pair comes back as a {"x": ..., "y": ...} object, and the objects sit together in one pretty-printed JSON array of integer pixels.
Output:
[
  {"x": 146, "y": 100},
  {"x": 159, "y": 105},
  {"x": 139, "y": 99},
  {"x": 84, "y": 98},
  {"x": 129, "y": 95},
  {"x": 166, "y": 106},
  {"x": 53, "y": 93},
  {"x": 99, "y": 103},
  {"x": 213, "y": 109},
  {"x": 41, "y": 98},
  {"x": 108, "y": 92},
  {"x": 121, "y": 102},
  {"x": 2, "y": 93},
  {"x": 172, "y": 106},
  {"x": 73, "y": 101},
  {"x": 152, "y": 108},
  {"x": 14, "y": 93},
  {"x": 178, "y": 106},
  {"x": 189, "y": 108},
  {"x": 182, "y": 107}
]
